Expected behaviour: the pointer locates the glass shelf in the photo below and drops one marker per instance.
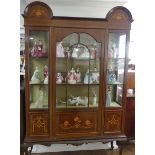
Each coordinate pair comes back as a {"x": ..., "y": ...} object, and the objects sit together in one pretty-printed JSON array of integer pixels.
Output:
[
  {"x": 114, "y": 104},
  {"x": 31, "y": 83},
  {"x": 76, "y": 107},
  {"x": 78, "y": 84},
  {"x": 115, "y": 83},
  {"x": 81, "y": 59},
  {"x": 42, "y": 57}
]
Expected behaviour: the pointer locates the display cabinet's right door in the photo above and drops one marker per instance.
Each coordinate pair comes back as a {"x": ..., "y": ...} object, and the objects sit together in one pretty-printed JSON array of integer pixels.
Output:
[{"x": 116, "y": 60}]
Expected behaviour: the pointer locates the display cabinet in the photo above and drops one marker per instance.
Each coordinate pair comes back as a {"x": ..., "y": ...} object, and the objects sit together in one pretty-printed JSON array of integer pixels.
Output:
[{"x": 75, "y": 76}]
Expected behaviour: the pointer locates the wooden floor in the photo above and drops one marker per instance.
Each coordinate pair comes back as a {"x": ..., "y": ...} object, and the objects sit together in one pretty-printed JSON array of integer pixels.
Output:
[{"x": 128, "y": 150}]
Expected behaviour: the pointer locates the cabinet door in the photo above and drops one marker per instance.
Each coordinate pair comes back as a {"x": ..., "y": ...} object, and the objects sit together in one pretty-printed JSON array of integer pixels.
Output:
[
  {"x": 38, "y": 70},
  {"x": 77, "y": 82},
  {"x": 115, "y": 69},
  {"x": 77, "y": 71}
]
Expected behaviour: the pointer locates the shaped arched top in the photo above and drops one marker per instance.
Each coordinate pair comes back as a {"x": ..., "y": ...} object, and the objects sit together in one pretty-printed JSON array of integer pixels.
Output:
[
  {"x": 38, "y": 10},
  {"x": 119, "y": 14}
]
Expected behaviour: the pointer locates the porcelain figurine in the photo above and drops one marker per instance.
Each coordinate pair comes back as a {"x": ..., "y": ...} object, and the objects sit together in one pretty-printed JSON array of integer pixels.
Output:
[
  {"x": 46, "y": 80},
  {"x": 75, "y": 53},
  {"x": 67, "y": 52},
  {"x": 36, "y": 76},
  {"x": 94, "y": 97},
  {"x": 110, "y": 53},
  {"x": 85, "y": 54},
  {"x": 111, "y": 76},
  {"x": 77, "y": 101},
  {"x": 95, "y": 75},
  {"x": 59, "y": 78},
  {"x": 45, "y": 70},
  {"x": 115, "y": 51},
  {"x": 78, "y": 75},
  {"x": 108, "y": 97},
  {"x": 38, "y": 49},
  {"x": 40, "y": 98},
  {"x": 93, "y": 54},
  {"x": 88, "y": 79},
  {"x": 71, "y": 77},
  {"x": 60, "y": 50}
]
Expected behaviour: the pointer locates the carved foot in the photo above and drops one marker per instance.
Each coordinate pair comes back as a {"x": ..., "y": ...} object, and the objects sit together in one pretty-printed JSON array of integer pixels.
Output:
[
  {"x": 122, "y": 146},
  {"x": 26, "y": 149}
]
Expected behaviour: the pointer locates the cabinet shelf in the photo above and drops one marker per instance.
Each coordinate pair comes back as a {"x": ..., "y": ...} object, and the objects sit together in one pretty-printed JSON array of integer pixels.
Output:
[
  {"x": 45, "y": 57},
  {"x": 78, "y": 84},
  {"x": 113, "y": 104},
  {"x": 75, "y": 107},
  {"x": 81, "y": 59},
  {"x": 116, "y": 83},
  {"x": 31, "y": 83}
]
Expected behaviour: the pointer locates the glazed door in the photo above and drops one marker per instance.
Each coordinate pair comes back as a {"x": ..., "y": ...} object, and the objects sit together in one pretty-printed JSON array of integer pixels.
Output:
[
  {"x": 115, "y": 81},
  {"x": 77, "y": 82},
  {"x": 37, "y": 81}
]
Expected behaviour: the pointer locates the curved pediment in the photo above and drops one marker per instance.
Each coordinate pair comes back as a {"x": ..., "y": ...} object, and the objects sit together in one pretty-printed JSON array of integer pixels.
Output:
[
  {"x": 119, "y": 14},
  {"x": 38, "y": 10}
]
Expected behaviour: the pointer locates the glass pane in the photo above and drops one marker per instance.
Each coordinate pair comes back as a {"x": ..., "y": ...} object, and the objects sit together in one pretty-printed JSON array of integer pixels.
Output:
[
  {"x": 77, "y": 97},
  {"x": 38, "y": 43},
  {"x": 114, "y": 95},
  {"x": 38, "y": 96},
  {"x": 95, "y": 71},
  {"x": 116, "y": 46},
  {"x": 38, "y": 69},
  {"x": 115, "y": 69},
  {"x": 61, "y": 96},
  {"x": 61, "y": 70},
  {"x": 92, "y": 45},
  {"x": 63, "y": 47},
  {"x": 94, "y": 96}
]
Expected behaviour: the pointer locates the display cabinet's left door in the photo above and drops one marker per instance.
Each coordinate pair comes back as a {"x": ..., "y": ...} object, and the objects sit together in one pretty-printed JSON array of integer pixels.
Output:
[{"x": 37, "y": 82}]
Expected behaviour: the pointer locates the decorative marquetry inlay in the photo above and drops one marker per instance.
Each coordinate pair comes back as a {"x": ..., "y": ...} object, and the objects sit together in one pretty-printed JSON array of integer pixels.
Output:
[
  {"x": 39, "y": 12},
  {"x": 118, "y": 16},
  {"x": 39, "y": 125},
  {"x": 113, "y": 121},
  {"x": 77, "y": 124}
]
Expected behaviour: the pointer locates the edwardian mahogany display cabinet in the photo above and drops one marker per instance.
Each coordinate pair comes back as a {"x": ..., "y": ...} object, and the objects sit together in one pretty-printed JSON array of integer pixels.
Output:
[{"x": 75, "y": 81}]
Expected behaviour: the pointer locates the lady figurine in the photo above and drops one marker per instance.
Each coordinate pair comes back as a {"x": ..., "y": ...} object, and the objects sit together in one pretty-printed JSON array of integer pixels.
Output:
[
  {"x": 45, "y": 70},
  {"x": 71, "y": 77},
  {"x": 108, "y": 96},
  {"x": 115, "y": 51},
  {"x": 38, "y": 50},
  {"x": 95, "y": 75},
  {"x": 88, "y": 78},
  {"x": 59, "y": 78},
  {"x": 94, "y": 97},
  {"x": 40, "y": 98},
  {"x": 33, "y": 51},
  {"x": 113, "y": 77},
  {"x": 60, "y": 50},
  {"x": 36, "y": 76},
  {"x": 78, "y": 75}
]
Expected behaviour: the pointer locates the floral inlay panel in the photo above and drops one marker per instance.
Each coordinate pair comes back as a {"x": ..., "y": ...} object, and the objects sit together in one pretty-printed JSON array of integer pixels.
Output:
[{"x": 77, "y": 124}]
